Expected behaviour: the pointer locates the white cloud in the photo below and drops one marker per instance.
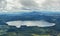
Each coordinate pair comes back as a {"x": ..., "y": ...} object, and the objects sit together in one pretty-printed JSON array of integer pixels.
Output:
[
  {"x": 41, "y": 23},
  {"x": 17, "y": 5}
]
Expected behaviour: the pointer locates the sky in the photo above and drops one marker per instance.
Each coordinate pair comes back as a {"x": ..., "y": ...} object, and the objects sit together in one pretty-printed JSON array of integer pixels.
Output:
[{"x": 18, "y": 5}]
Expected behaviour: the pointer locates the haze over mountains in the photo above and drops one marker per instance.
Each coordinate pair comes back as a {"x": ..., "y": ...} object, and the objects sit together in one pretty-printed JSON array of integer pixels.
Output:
[{"x": 34, "y": 18}]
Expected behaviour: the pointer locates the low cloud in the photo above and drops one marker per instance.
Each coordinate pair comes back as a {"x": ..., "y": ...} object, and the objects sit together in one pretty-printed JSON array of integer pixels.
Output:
[{"x": 41, "y": 23}]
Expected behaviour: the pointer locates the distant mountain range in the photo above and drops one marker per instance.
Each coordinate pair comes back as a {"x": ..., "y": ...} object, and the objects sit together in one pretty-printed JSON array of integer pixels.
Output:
[{"x": 33, "y": 16}]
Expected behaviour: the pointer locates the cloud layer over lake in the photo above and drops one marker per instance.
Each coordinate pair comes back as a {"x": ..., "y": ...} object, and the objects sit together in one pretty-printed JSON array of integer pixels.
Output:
[{"x": 41, "y": 23}]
